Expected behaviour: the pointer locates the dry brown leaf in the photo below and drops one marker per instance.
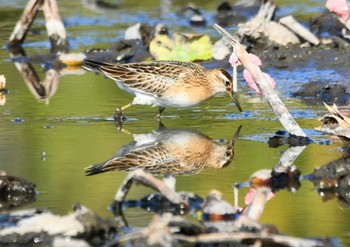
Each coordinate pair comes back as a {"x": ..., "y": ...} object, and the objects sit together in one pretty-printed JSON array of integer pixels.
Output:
[
  {"x": 335, "y": 123},
  {"x": 341, "y": 119}
]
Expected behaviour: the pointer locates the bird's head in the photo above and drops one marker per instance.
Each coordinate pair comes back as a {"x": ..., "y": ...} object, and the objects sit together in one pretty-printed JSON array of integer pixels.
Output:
[
  {"x": 228, "y": 150},
  {"x": 226, "y": 85}
]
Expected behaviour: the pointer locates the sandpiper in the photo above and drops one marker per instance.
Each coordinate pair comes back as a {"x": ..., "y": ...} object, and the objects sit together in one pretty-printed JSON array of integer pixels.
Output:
[
  {"x": 169, "y": 152},
  {"x": 166, "y": 83}
]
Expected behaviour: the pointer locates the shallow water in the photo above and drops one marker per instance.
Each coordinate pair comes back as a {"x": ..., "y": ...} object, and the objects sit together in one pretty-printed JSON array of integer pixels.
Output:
[{"x": 51, "y": 142}]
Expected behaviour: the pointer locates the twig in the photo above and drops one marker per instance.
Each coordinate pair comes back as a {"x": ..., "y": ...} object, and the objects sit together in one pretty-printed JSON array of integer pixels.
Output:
[
  {"x": 288, "y": 158},
  {"x": 270, "y": 95},
  {"x": 290, "y": 22},
  {"x": 266, "y": 11},
  {"x": 146, "y": 179},
  {"x": 41, "y": 90},
  {"x": 21, "y": 29},
  {"x": 54, "y": 25}
]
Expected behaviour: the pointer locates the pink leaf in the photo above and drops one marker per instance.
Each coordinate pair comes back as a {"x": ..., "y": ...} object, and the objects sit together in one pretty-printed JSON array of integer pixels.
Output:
[
  {"x": 270, "y": 80},
  {"x": 249, "y": 196},
  {"x": 249, "y": 79},
  {"x": 248, "y": 199},
  {"x": 234, "y": 61},
  {"x": 255, "y": 59}
]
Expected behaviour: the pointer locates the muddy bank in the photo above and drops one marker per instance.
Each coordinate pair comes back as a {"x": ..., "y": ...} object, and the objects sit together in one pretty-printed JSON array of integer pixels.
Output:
[{"x": 334, "y": 55}]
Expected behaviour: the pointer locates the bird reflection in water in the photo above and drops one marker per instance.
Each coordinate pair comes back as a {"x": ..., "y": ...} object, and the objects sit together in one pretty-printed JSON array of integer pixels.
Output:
[{"x": 170, "y": 151}]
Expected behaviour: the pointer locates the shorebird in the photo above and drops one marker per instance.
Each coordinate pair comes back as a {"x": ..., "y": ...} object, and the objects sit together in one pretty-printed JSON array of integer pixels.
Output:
[
  {"x": 166, "y": 83},
  {"x": 169, "y": 152}
]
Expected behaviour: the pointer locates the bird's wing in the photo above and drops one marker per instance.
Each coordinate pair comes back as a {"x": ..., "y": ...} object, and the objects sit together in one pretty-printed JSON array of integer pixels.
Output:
[
  {"x": 153, "y": 158},
  {"x": 148, "y": 77}
]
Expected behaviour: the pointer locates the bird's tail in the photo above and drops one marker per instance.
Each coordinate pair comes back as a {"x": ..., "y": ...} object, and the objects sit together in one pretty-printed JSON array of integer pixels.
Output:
[
  {"x": 110, "y": 165},
  {"x": 93, "y": 66}
]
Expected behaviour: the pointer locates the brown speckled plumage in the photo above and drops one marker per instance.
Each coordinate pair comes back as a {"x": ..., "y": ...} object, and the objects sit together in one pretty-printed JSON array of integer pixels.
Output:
[{"x": 176, "y": 152}]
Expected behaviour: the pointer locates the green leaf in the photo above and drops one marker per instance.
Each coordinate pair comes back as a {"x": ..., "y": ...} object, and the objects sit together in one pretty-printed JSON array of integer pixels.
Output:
[{"x": 184, "y": 47}]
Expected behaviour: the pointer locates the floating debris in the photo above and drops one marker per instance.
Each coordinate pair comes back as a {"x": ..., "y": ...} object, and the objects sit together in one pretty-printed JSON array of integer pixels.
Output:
[
  {"x": 18, "y": 120},
  {"x": 197, "y": 18},
  {"x": 169, "y": 230},
  {"x": 263, "y": 29},
  {"x": 72, "y": 59},
  {"x": 316, "y": 92},
  {"x": 332, "y": 180},
  {"x": 15, "y": 191},
  {"x": 45, "y": 228}
]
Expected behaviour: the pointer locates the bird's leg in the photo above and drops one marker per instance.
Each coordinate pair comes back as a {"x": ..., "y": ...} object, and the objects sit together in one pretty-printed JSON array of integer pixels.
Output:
[
  {"x": 122, "y": 129},
  {"x": 119, "y": 117},
  {"x": 118, "y": 123},
  {"x": 161, "y": 126},
  {"x": 159, "y": 115}
]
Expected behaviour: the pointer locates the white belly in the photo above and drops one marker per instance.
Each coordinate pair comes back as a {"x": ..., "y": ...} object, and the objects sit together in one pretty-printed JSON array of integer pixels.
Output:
[{"x": 180, "y": 101}]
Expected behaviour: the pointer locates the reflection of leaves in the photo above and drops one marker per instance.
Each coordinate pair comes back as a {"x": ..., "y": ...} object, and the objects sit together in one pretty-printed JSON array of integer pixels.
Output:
[{"x": 184, "y": 47}]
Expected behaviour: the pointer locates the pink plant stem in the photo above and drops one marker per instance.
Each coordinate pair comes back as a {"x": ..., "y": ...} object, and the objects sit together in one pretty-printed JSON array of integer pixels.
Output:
[
  {"x": 270, "y": 95},
  {"x": 263, "y": 83}
]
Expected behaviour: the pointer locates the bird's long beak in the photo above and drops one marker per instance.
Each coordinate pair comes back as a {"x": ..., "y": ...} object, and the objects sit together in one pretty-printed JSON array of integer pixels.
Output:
[
  {"x": 231, "y": 142},
  {"x": 235, "y": 100}
]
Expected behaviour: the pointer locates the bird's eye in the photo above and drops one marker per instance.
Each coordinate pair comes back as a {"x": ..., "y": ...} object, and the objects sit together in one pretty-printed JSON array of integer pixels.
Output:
[
  {"x": 227, "y": 83},
  {"x": 228, "y": 153}
]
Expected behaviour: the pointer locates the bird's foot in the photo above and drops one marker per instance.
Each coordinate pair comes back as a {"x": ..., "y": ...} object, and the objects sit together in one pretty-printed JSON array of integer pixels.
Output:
[
  {"x": 158, "y": 117},
  {"x": 119, "y": 118},
  {"x": 119, "y": 115}
]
